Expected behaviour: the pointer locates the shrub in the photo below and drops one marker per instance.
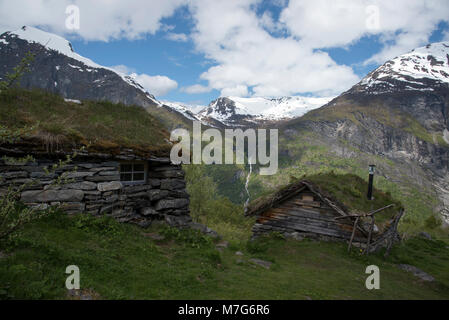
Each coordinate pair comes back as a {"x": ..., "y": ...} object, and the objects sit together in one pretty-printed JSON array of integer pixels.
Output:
[{"x": 432, "y": 222}]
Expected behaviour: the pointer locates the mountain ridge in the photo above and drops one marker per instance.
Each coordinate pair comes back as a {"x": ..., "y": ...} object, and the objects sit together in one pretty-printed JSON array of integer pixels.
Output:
[
  {"x": 60, "y": 70},
  {"x": 237, "y": 111},
  {"x": 395, "y": 114}
]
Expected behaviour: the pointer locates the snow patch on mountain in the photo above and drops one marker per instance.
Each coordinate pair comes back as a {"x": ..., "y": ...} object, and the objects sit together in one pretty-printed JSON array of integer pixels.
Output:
[
  {"x": 228, "y": 110},
  {"x": 54, "y": 42},
  {"x": 187, "y": 110},
  {"x": 446, "y": 136},
  {"x": 414, "y": 68}
]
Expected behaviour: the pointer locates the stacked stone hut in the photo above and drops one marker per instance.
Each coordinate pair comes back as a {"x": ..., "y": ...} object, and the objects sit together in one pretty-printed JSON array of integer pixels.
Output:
[
  {"x": 305, "y": 210},
  {"x": 115, "y": 169},
  {"x": 127, "y": 186}
]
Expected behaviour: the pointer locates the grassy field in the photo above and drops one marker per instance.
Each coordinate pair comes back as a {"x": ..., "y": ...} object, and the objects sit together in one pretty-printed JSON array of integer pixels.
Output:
[{"x": 119, "y": 261}]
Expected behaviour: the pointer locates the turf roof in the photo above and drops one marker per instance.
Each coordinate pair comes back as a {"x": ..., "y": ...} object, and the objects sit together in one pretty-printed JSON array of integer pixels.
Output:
[{"x": 99, "y": 126}]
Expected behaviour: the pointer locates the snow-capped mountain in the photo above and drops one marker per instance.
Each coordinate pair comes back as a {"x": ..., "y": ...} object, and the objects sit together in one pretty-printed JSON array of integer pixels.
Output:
[
  {"x": 400, "y": 111},
  {"x": 58, "y": 68},
  {"x": 423, "y": 69},
  {"x": 189, "y": 111},
  {"x": 235, "y": 111}
]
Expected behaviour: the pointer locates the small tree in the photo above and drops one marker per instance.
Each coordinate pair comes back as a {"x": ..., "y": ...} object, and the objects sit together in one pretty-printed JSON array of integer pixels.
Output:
[
  {"x": 18, "y": 72},
  {"x": 202, "y": 190},
  {"x": 13, "y": 214}
]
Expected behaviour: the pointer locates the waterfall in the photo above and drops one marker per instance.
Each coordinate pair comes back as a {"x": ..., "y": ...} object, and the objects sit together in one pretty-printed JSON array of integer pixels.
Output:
[{"x": 247, "y": 183}]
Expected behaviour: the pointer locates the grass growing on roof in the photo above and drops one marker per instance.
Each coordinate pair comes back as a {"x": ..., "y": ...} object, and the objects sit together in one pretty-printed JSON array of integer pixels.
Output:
[
  {"x": 349, "y": 191},
  {"x": 102, "y": 125}
]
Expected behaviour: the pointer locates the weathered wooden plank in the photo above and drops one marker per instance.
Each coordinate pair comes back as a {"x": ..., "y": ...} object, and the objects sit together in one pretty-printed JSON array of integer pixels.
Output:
[
  {"x": 353, "y": 233},
  {"x": 296, "y": 207},
  {"x": 321, "y": 208},
  {"x": 313, "y": 229},
  {"x": 313, "y": 204},
  {"x": 308, "y": 215},
  {"x": 304, "y": 214},
  {"x": 317, "y": 211},
  {"x": 292, "y": 220}
]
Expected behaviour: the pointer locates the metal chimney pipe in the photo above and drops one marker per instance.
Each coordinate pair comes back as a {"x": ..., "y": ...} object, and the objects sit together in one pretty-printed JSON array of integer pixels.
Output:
[{"x": 372, "y": 170}]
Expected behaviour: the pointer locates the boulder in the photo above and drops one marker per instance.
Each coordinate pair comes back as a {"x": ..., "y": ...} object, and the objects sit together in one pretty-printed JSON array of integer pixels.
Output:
[
  {"x": 14, "y": 175},
  {"x": 136, "y": 188},
  {"x": 154, "y": 236},
  {"x": 179, "y": 222},
  {"x": 222, "y": 245},
  {"x": 417, "y": 272},
  {"x": 179, "y": 194},
  {"x": 98, "y": 169},
  {"x": 76, "y": 174},
  {"x": 85, "y": 186},
  {"x": 109, "y": 186},
  {"x": 156, "y": 194},
  {"x": 148, "y": 212},
  {"x": 154, "y": 182},
  {"x": 425, "y": 235},
  {"x": 204, "y": 229},
  {"x": 103, "y": 178},
  {"x": 43, "y": 175},
  {"x": 73, "y": 206},
  {"x": 138, "y": 195},
  {"x": 52, "y": 196},
  {"x": 109, "y": 173},
  {"x": 172, "y": 184},
  {"x": 171, "y": 204},
  {"x": 261, "y": 263},
  {"x": 110, "y": 164},
  {"x": 86, "y": 165}
]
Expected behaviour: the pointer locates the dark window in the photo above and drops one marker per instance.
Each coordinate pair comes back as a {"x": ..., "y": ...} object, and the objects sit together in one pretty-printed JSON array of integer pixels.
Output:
[
  {"x": 138, "y": 176},
  {"x": 132, "y": 172},
  {"x": 126, "y": 168},
  {"x": 139, "y": 167}
]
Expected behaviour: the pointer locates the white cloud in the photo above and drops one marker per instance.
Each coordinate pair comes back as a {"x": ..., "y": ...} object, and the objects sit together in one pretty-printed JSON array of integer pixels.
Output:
[
  {"x": 237, "y": 91},
  {"x": 196, "y": 89},
  {"x": 179, "y": 37},
  {"x": 100, "y": 19},
  {"x": 402, "y": 24},
  {"x": 247, "y": 56},
  {"x": 123, "y": 69},
  {"x": 156, "y": 85}
]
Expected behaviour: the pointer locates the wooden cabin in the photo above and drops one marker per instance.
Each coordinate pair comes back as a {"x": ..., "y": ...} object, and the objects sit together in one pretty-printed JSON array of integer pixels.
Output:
[{"x": 303, "y": 210}]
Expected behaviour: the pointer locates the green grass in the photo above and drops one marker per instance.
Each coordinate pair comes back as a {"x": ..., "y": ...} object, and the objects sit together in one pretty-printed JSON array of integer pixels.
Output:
[
  {"x": 117, "y": 261},
  {"x": 98, "y": 125},
  {"x": 351, "y": 191}
]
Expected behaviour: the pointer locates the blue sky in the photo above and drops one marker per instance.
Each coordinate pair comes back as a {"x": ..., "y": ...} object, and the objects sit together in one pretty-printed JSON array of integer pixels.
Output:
[
  {"x": 155, "y": 54},
  {"x": 193, "y": 51}
]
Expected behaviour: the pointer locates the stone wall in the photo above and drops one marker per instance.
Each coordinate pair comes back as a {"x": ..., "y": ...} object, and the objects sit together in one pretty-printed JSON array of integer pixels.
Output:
[{"x": 94, "y": 186}]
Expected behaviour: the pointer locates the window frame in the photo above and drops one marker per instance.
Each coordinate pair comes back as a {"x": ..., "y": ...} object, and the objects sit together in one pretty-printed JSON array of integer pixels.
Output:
[{"x": 132, "y": 172}]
